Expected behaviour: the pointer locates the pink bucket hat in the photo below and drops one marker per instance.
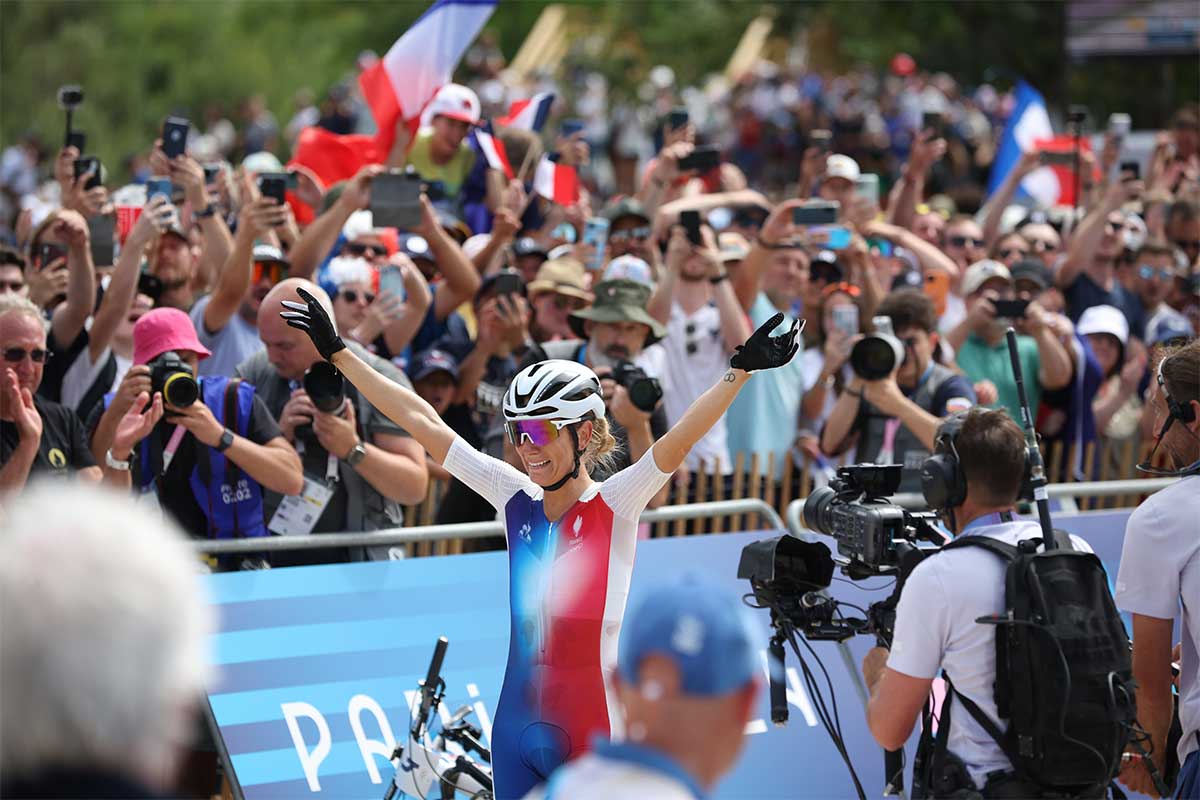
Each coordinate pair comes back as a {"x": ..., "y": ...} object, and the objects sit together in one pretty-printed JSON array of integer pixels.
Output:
[{"x": 165, "y": 329}]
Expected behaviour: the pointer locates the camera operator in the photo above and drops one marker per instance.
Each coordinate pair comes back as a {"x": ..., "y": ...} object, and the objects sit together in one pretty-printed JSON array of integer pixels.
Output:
[
  {"x": 358, "y": 466},
  {"x": 1160, "y": 572},
  {"x": 210, "y": 481},
  {"x": 936, "y": 626},
  {"x": 892, "y": 420},
  {"x": 686, "y": 681}
]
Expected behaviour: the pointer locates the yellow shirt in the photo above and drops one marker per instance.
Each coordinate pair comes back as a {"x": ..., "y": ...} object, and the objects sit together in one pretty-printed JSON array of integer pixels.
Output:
[{"x": 452, "y": 173}]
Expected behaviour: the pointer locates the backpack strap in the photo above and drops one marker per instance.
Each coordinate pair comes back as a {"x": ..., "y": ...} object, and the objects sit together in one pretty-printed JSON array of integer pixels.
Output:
[
  {"x": 1002, "y": 549},
  {"x": 231, "y": 422},
  {"x": 983, "y": 719}
]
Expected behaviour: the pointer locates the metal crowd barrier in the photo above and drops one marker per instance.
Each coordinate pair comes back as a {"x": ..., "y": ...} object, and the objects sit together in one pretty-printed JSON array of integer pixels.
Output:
[{"x": 469, "y": 530}]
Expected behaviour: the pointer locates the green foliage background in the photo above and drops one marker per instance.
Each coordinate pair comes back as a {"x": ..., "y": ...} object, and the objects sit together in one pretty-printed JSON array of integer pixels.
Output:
[{"x": 142, "y": 59}]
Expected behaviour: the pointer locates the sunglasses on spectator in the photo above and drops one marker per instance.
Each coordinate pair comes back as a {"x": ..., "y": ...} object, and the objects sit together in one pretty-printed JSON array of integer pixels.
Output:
[
  {"x": 15, "y": 355},
  {"x": 360, "y": 250},
  {"x": 351, "y": 296},
  {"x": 632, "y": 233},
  {"x": 1186, "y": 244},
  {"x": 274, "y": 271},
  {"x": 538, "y": 432},
  {"x": 1010, "y": 252},
  {"x": 1042, "y": 245},
  {"x": 1148, "y": 272},
  {"x": 964, "y": 241},
  {"x": 11, "y": 286}
]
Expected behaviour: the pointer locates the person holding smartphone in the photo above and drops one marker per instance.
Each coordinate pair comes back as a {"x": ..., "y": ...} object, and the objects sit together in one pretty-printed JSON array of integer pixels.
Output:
[{"x": 560, "y": 524}]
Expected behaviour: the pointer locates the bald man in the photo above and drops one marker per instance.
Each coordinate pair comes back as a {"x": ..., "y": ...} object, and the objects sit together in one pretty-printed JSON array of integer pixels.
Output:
[{"x": 359, "y": 466}]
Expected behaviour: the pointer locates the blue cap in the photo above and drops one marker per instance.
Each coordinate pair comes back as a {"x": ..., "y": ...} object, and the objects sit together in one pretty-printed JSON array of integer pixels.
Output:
[
  {"x": 701, "y": 626},
  {"x": 1168, "y": 328},
  {"x": 431, "y": 361}
]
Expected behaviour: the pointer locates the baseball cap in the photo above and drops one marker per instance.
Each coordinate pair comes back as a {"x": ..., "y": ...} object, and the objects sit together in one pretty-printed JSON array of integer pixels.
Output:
[
  {"x": 262, "y": 161},
  {"x": 528, "y": 246},
  {"x": 562, "y": 276},
  {"x": 360, "y": 223},
  {"x": 1030, "y": 269},
  {"x": 733, "y": 246},
  {"x": 625, "y": 207},
  {"x": 629, "y": 268},
  {"x": 840, "y": 166},
  {"x": 431, "y": 361},
  {"x": 1104, "y": 319},
  {"x": 415, "y": 246},
  {"x": 164, "y": 329},
  {"x": 456, "y": 102},
  {"x": 1168, "y": 329},
  {"x": 983, "y": 271},
  {"x": 699, "y": 625},
  {"x": 268, "y": 252},
  {"x": 825, "y": 266}
]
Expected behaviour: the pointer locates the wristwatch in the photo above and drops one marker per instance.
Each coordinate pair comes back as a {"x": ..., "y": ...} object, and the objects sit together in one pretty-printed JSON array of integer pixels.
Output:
[
  {"x": 357, "y": 454},
  {"x": 226, "y": 441},
  {"x": 121, "y": 465},
  {"x": 206, "y": 212},
  {"x": 724, "y": 276}
]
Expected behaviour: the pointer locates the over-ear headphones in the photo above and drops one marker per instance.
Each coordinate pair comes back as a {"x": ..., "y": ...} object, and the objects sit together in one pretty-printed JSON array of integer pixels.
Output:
[
  {"x": 943, "y": 481},
  {"x": 1177, "y": 410}
]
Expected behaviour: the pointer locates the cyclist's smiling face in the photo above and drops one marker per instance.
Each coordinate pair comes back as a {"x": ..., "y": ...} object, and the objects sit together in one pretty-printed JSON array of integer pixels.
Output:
[{"x": 554, "y": 459}]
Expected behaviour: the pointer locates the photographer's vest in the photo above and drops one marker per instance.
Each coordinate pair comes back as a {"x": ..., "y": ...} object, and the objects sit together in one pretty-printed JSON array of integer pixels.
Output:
[
  {"x": 230, "y": 499},
  {"x": 879, "y": 431}
]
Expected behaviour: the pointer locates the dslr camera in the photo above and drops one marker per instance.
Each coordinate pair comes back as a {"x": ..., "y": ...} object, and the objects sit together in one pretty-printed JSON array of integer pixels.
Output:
[
  {"x": 172, "y": 376},
  {"x": 876, "y": 355},
  {"x": 644, "y": 392},
  {"x": 326, "y": 389}
]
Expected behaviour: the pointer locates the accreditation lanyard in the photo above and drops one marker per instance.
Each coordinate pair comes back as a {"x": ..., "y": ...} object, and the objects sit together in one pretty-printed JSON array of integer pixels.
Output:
[
  {"x": 331, "y": 464},
  {"x": 171, "y": 448}
]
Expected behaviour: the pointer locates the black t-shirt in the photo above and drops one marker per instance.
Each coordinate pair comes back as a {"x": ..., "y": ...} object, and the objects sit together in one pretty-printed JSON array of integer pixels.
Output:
[
  {"x": 64, "y": 445},
  {"x": 174, "y": 488},
  {"x": 1085, "y": 293}
]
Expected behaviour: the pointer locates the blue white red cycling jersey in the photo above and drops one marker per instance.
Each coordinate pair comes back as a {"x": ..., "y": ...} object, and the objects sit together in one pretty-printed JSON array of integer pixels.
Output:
[{"x": 568, "y": 582}]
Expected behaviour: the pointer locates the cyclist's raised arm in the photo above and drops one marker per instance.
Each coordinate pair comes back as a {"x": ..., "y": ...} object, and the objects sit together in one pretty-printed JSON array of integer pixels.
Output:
[{"x": 761, "y": 351}]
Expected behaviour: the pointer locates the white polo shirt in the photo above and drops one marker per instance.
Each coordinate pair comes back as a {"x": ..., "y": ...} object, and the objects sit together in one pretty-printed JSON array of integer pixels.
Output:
[
  {"x": 936, "y": 630},
  {"x": 1160, "y": 572},
  {"x": 623, "y": 771}
]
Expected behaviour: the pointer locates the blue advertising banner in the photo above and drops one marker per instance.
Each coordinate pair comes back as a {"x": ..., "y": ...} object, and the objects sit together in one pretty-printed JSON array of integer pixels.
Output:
[{"x": 318, "y": 667}]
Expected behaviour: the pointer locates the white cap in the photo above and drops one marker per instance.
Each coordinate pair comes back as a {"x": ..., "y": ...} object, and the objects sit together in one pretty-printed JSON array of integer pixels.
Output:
[
  {"x": 474, "y": 246},
  {"x": 349, "y": 269},
  {"x": 981, "y": 272},
  {"x": 456, "y": 102},
  {"x": 360, "y": 223},
  {"x": 262, "y": 161},
  {"x": 1104, "y": 319},
  {"x": 840, "y": 166},
  {"x": 630, "y": 268}
]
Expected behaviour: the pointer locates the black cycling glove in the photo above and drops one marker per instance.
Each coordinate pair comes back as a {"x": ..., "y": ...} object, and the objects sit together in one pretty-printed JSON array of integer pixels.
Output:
[
  {"x": 311, "y": 318},
  {"x": 763, "y": 351}
]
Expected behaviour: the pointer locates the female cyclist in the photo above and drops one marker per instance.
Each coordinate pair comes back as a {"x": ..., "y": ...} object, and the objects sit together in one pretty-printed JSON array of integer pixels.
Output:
[{"x": 570, "y": 540}]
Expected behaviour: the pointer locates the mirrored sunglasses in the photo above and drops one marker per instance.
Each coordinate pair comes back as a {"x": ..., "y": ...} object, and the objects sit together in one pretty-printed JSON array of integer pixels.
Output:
[{"x": 538, "y": 432}]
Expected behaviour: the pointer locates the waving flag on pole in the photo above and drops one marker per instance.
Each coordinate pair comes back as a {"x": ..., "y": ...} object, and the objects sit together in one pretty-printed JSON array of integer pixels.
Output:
[
  {"x": 398, "y": 86},
  {"x": 556, "y": 182},
  {"x": 529, "y": 114},
  {"x": 1029, "y": 129},
  {"x": 493, "y": 149}
]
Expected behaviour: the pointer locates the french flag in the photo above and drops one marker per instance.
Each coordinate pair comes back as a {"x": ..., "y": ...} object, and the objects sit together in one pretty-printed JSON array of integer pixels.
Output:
[
  {"x": 1029, "y": 129},
  {"x": 493, "y": 149},
  {"x": 556, "y": 182},
  {"x": 529, "y": 114}
]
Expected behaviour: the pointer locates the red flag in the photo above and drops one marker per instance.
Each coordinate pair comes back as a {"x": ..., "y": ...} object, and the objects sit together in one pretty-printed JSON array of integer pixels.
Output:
[
  {"x": 333, "y": 157},
  {"x": 1061, "y": 164}
]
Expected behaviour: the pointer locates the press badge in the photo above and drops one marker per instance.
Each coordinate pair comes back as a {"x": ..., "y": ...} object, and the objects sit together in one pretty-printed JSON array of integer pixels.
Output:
[{"x": 297, "y": 515}]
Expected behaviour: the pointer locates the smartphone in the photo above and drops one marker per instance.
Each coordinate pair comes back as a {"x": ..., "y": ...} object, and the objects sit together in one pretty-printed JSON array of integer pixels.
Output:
[
  {"x": 816, "y": 212},
  {"x": 83, "y": 165},
  {"x": 1010, "y": 309},
  {"x": 822, "y": 140},
  {"x": 1119, "y": 125},
  {"x": 101, "y": 230},
  {"x": 159, "y": 186},
  {"x": 391, "y": 280},
  {"x": 829, "y": 237},
  {"x": 1130, "y": 170},
  {"x": 702, "y": 159},
  {"x": 868, "y": 186},
  {"x": 509, "y": 282},
  {"x": 174, "y": 136},
  {"x": 570, "y": 127},
  {"x": 933, "y": 120},
  {"x": 396, "y": 200},
  {"x": 937, "y": 289},
  {"x": 1053, "y": 158},
  {"x": 595, "y": 233},
  {"x": 272, "y": 185},
  {"x": 690, "y": 220},
  {"x": 49, "y": 252},
  {"x": 151, "y": 286},
  {"x": 845, "y": 319},
  {"x": 677, "y": 117},
  {"x": 211, "y": 173},
  {"x": 76, "y": 139}
]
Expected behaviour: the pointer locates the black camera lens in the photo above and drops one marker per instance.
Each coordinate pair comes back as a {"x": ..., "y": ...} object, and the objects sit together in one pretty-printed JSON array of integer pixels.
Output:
[
  {"x": 817, "y": 510},
  {"x": 645, "y": 393},
  {"x": 873, "y": 358},
  {"x": 172, "y": 376},
  {"x": 325, "y": 387}
]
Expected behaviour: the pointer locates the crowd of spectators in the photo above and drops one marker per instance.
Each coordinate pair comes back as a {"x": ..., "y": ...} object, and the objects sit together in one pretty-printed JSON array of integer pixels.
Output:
[{"x": 97, "y": 340}]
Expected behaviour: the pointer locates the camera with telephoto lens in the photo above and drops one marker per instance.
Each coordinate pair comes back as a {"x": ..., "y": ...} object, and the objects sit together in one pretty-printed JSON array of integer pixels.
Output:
[
  {"x": 876, "y": 355},
  {"x": 326, "y": 388},
  {"x": 644, "y": 391},
  {"x": 172, "y": 376}
]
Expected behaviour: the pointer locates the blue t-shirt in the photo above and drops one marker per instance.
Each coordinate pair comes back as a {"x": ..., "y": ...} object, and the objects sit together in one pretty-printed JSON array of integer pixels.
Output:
[
  {"x": 764, "y": 416},
  {"x": 1085, "y": 293}
]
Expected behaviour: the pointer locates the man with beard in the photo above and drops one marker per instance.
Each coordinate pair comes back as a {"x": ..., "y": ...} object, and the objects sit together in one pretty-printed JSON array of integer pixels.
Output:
[{"x": 226, "y": 319}]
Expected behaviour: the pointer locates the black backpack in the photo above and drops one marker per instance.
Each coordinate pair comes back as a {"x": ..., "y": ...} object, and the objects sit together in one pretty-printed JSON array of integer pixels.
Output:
[{"x": 1064, "y": 675}]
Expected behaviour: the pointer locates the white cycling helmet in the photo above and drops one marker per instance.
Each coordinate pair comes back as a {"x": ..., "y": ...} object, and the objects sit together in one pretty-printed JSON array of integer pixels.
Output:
[{"x": 554, "y": 389}]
